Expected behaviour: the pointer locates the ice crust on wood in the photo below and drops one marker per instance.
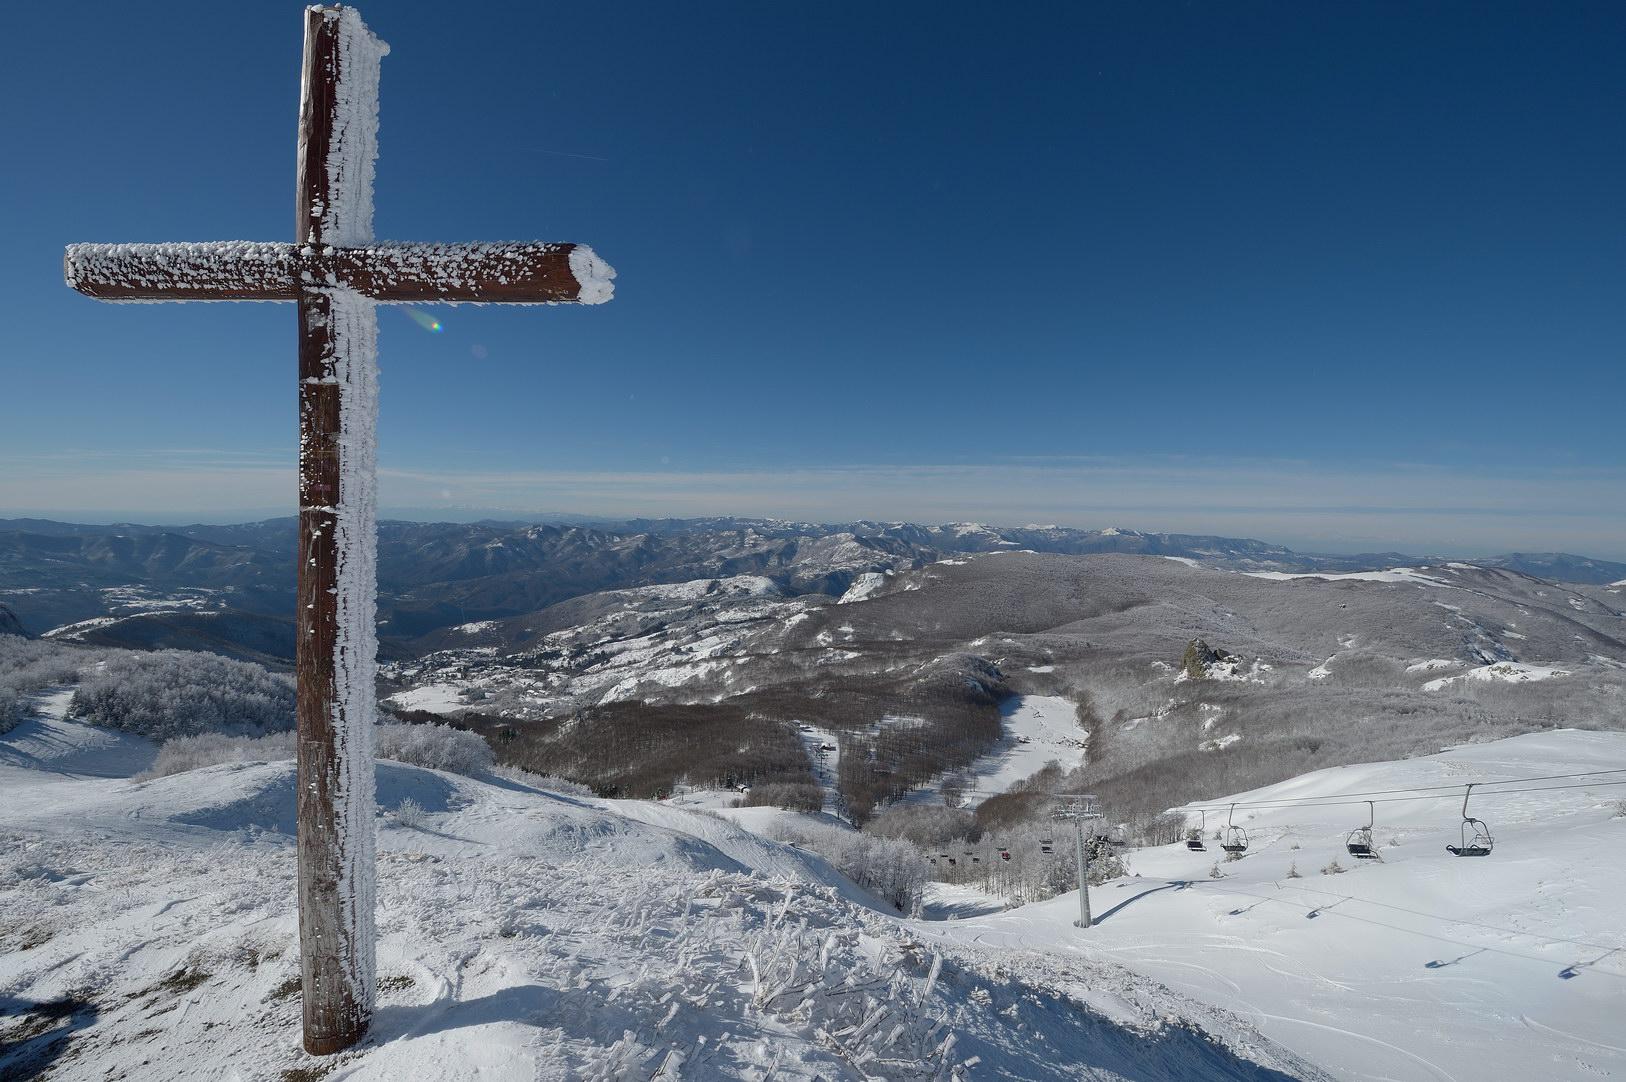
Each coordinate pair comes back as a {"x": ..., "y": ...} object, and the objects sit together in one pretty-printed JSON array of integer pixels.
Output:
[
  {"x": 155, "y": 268},
  {"x": 508, "y": 272},
  {"x": 347, "y": 220},
  {"x": 595, "y": 277},
  {"x": 355, "y": 664}
]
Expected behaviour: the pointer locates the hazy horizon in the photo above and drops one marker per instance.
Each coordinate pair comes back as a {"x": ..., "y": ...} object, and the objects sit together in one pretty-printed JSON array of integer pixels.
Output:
[{"x": 1306, "y": 544}]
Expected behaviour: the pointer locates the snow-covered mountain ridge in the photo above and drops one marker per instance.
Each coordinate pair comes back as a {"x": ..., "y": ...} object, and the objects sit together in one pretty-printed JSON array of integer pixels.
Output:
[
  {"x": 438, "y": 575},
  {"x": 1323, "y": 668}
]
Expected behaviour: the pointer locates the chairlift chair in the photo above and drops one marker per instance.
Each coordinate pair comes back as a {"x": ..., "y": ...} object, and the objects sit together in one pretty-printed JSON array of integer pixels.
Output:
[
  {"x": 1359, "y": 841},
  {"x": 1235, "y": 839},
  {"x": 1476, "y": 836},
  {"x": 1194, "y": 836}
]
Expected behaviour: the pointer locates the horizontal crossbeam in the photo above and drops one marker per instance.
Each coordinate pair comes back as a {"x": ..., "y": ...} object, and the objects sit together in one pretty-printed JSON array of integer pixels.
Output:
[{"x": 530, "y": 273}]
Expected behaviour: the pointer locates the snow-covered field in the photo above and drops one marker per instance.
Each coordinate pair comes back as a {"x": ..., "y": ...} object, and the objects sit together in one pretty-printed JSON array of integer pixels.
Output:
[
  {"x": 148, "y": 933},
  {"x": 1509, "y": 671},
  {"x": 436, "y": 698}
]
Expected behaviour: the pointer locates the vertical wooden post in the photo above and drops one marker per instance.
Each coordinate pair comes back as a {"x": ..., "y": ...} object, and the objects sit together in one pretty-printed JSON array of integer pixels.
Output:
[
  {"x": 335, "y": 919},
  {"x": 335, "y": 1016}
]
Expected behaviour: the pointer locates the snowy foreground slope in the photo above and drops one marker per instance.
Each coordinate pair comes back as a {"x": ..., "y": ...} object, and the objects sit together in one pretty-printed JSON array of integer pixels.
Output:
[{"x": 148, "y": 932}]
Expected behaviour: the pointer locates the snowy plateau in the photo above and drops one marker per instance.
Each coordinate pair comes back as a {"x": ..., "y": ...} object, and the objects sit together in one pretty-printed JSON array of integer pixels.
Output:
[{"x": 150, "y": 933}]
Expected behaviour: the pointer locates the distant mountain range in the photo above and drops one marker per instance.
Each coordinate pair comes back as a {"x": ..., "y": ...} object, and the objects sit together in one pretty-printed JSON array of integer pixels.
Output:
[{"x": 133, "y": 579}]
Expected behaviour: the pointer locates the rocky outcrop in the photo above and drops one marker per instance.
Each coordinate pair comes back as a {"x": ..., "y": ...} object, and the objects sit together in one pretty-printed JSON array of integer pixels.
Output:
[{"x": 1200, "y": 657}]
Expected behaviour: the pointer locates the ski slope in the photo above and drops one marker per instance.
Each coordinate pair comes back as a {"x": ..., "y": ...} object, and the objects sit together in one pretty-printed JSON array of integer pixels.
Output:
[
  {"x": 1422, "y": 968},
  {"x": 1038, "y": 729}
]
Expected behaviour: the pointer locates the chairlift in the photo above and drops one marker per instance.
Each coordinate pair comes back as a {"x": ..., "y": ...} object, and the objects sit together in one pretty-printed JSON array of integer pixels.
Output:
[
  {"x": 1235, "y": 839},
  {"x": 1476, "y": 837},
  {"x": 1359, "y": 841},
  {"x": 1004, "y": 854},
  {"x": 1045, "y": 844},
  {"x": 1194, "y": 836}
]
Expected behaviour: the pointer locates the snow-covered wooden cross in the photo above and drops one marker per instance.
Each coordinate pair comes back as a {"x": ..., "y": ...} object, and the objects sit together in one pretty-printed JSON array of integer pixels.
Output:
[{"x": 336, "y": 274}]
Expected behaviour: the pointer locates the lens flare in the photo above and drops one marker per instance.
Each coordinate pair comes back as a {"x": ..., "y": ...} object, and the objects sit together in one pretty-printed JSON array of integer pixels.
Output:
[{"x": 423, "y": 319}]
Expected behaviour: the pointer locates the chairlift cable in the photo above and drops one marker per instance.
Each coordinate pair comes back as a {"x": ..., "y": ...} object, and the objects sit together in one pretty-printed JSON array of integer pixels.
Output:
[
  {"x": 1457, "y": 785},
  {"x": 1430, "y": 792}
]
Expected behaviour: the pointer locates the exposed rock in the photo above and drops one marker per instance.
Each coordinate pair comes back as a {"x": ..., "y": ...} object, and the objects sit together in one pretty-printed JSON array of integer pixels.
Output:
[{"x": 1200, "y": 657}]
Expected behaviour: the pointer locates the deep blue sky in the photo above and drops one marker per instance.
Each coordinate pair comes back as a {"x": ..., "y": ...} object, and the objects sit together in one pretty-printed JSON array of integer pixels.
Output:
[{"x": 1342, "y": 276}]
